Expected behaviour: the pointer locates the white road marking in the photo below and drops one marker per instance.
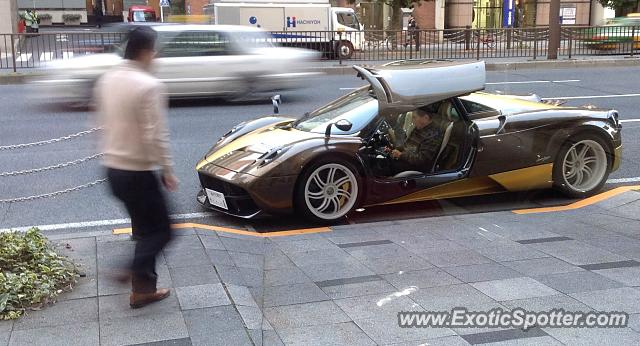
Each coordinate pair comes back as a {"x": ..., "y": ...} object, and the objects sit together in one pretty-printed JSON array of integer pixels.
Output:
[
  {"x": 623, "y": 180},
  {"x": 98, "y": 223},
  {"x": 590, "y": 97},
  {"x": 630, "y": 120},
  {"x": 535, "y": 82},
  {"x": 348, "y": 88}
]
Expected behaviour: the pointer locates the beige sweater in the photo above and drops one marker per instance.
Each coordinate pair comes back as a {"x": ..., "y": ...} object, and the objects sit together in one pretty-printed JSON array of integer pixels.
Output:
[{"x": 132, "y": 106}]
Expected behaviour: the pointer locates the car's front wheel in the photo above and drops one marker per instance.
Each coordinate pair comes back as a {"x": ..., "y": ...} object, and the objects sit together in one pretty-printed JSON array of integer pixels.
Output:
[
  {"x": 582, "y": 166},
  {"x": 328, "y": 191}
]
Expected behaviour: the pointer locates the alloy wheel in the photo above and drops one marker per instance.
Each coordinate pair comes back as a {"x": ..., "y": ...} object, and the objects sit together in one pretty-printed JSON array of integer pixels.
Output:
[
  {"x": 584, "y": 165},
  {"x": 331, "y": 191}
]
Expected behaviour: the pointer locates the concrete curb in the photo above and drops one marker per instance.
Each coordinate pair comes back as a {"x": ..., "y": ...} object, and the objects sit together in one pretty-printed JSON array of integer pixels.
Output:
[{"x": 346, "y": 69}]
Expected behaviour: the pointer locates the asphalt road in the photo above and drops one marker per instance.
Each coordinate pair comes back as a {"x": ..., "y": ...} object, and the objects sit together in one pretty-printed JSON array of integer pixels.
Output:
[{"x": 195, "y": 125}]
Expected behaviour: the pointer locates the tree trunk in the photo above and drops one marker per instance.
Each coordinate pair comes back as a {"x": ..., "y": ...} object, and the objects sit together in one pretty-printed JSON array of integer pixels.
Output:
[{"x": 396, "y": 16}]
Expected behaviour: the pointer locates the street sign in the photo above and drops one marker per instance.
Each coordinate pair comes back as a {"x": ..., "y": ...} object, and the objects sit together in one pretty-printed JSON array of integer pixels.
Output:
[{"x": 165, "y": 3}]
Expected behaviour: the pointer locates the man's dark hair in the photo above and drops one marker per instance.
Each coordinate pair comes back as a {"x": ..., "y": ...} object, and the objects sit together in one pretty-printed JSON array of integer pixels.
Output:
[{"x": 140, "y": 39}]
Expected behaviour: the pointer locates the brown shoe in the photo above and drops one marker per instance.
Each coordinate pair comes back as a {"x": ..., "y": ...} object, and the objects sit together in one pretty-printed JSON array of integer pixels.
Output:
[{"x": 138, "y": 300}]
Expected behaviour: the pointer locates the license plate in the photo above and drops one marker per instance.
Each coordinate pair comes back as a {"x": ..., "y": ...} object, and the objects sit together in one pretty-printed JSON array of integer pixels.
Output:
[{"x": 216, "y": 198}]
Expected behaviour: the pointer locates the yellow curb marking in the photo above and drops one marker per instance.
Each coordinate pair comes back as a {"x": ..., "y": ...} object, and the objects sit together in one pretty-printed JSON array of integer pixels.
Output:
[
  {"x": 237, "y": 231},
  {"x": 581, "y": 203}
]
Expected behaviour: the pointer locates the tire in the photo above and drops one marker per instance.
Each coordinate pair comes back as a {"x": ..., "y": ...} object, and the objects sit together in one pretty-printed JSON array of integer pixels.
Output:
[
  {"x": 344, "y": 50},
  {"x": 582, "y": 166},
  {"x": 328, "y": 190}
]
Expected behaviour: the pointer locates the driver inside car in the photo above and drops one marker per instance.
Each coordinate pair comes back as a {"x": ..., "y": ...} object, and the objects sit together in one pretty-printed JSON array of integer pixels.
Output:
[{"x": 421, "y": 147}]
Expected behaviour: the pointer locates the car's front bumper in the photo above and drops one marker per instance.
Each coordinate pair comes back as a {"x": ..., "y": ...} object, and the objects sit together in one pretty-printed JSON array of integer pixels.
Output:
[
  {"x": 64, "y": 90},
  {"x": 246, "y": 195}
]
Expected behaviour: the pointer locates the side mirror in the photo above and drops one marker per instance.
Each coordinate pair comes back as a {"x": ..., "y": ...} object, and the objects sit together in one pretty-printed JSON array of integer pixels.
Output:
[
  {"x": 503, "y": 123},
  {"x": 342, "y": 125},
  {"x": 275, "y": 100}
]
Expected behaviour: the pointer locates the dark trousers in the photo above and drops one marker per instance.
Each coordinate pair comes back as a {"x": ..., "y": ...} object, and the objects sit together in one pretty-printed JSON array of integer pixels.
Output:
[{"x": 142, "y": 196}]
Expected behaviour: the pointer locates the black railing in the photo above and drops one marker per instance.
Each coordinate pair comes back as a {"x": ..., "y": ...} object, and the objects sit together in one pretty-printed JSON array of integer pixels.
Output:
[{"x": 34, "y": 50}]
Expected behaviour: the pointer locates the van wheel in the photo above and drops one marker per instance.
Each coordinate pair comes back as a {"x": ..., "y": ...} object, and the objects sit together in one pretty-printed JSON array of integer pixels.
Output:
[{"x": 344, "y": 50}]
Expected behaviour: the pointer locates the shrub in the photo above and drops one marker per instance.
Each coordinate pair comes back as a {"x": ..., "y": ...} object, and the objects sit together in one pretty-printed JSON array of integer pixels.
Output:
[
  {"x": 32, "y": 274},
  {"x": 71, "y": 17},
  {"x": 45, "y": 16}
]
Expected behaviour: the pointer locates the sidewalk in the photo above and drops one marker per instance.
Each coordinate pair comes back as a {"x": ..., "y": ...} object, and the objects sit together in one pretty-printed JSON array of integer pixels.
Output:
[{"x": 346, "y": 286}]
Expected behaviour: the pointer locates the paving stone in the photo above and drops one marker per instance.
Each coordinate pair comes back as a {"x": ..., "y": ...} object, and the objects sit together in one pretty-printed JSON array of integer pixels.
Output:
[
  {"x": 514, "y": 252},
  {"x": 443, "y": 341},
  {"x": 378, "y": 306},
  {"x": 345, "y": 268},
  {"x": 542, "y": 266},
  {"x": 308, "y": 314},
  {"x": 251, "y": 277},
  {"x": 247, "y": 260},
  {"x": 455, "y": 258},
  {"x": 316, "y": 257},
  {"x": 202, "y": 296},
  {"x": 627, "y": 276},
  {"x": 5, "y": 332},
  {"x": 444, "y": 298},
  {"x": 358, "y": 289},
  {"x": 430, "y": 246},
  {"x": 117, "y": 306},
  {"x": 87, "y": 286},
  {"x": 421, "y": 278},
  {"x": 62, "y": 313},
  {"x": 389, "y": 265},
  {"x": 285, "y": 276},
  {"x": 482, "y": 272},
  {"x": 271, "y": 338},
  {"x": 293, "y": 294},
  {"x": 172, "y": 342},
  {"x": 577, "y": 282},
  {"x": 184, "y": 243},
  {"x": 517, "y": 288},
  {"x": 241, "y": 295},
  {"x": 193, "y": 276},
  {"x": 535, "y": 341},
  {"x": 238, "y": 337},
  {"x": 189, "y": 258},
  {"x": 329, "y": 334},
  {"x": 595, "y": 336},
  {"x": 627, "y": 227},
  {"x": 253, "y": 318},
  {"x": 578, "y": 253},
  {"x": 388, "y": 331},
  {"x": 212, "y": 242},
  {"x": 367, "y": 253},
  {"x": 244, "y": 245},
  {"x": 616, "y": 299},
  {"x": 634, "y": 322},
  {"x": 276, "y": 259},
  {"x": 230, "y": 274},
  {"x": 519, "y": 230},
  {"x": 216, "y": 320},
  {"x": 547, "y": 303},
  {"x": 83, "y": 334},
  {"x": 219, "y": 257},
  {"x": 516, "y": 336},
  {"x": 142, "y": 329},
  {"x": 306, "y": 245},
  {"x": 361, "y": 237}
]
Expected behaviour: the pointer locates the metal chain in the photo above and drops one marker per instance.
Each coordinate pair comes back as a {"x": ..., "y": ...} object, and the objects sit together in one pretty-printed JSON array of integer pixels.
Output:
[
  {"x": 55, "y": 140},
  {"x": 48, "y": 168},
  {"x": 53, "y": 194}
]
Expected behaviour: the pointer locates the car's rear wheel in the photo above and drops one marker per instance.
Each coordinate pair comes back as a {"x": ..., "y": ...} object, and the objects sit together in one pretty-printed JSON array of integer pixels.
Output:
[
  {"x": 582, "y": 166},
  {"x": 328, "y": 191}
]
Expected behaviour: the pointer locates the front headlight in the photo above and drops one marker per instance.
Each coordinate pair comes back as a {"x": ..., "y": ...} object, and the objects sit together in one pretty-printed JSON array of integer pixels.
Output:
[{"x": 270, "y": 155}]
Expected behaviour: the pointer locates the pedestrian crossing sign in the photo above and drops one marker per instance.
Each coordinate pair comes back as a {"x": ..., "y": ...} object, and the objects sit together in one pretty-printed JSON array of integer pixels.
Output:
[{"x": 165, "y": 3}]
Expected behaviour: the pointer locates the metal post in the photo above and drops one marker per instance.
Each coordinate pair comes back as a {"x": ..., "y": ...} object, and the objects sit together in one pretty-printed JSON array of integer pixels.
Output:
[
  {"x": 554, "y": 30},
  {"x": 535, "y": 43},
  {"x": 633, "y": 39},
  {"x": 478, "y": 46},
  {"x": 339, "y": 44},
  {"x": 13, "y": 52},
  {"x": 467, "y": 37},
  {"x": 509, "y": 37},
  {"x": 570, "y": 42}
]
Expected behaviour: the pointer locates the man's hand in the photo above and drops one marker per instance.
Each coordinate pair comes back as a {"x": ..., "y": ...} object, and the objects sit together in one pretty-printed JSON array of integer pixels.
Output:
[
  {"x": 395, "y": 153},
  {"x": 170, "y": 182}
]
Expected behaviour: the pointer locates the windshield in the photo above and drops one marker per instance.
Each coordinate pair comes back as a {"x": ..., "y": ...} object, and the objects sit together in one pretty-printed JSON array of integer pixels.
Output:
[
  {"x": 359, "y": 108},
  {"x": 142, "y": 16}
]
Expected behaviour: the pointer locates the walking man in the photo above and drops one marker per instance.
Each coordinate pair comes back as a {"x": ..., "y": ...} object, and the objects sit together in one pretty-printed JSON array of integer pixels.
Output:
[{"x": 131, "y": 108}]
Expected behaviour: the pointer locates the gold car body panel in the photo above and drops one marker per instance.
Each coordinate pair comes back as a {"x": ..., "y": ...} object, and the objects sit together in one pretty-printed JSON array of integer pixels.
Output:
[
  {"x": 529, "y": 178},
  {"x": 617, "y": 159}
]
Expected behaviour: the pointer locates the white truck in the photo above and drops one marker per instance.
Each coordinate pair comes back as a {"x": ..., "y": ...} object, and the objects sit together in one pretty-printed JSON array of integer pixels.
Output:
[{"x": 304, "y": 23}]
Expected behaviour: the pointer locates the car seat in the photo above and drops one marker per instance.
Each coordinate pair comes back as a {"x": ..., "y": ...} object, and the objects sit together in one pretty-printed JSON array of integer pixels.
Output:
[{"x": 449, "y": 116}]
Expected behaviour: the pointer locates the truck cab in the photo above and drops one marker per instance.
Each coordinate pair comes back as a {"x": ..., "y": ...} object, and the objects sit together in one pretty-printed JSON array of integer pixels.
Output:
[{"x": 140, "y": 13}]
